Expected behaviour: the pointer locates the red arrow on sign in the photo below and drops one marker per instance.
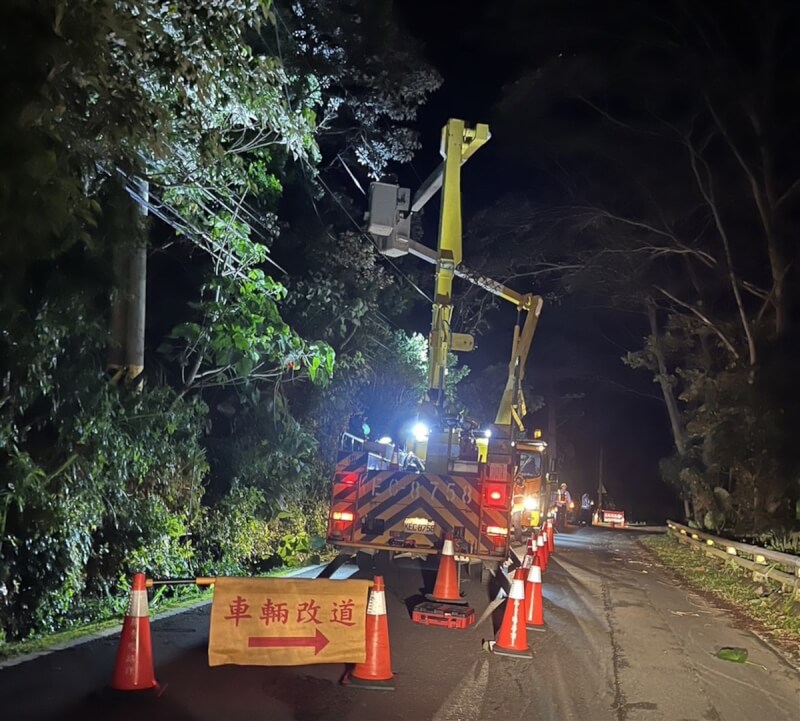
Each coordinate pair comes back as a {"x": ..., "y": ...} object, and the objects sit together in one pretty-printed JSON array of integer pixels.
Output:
[{"x": 318, "y": 641}]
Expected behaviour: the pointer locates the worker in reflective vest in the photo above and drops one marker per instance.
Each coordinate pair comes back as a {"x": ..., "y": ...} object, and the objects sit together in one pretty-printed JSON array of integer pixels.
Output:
[{"x": 563, "y": 504}]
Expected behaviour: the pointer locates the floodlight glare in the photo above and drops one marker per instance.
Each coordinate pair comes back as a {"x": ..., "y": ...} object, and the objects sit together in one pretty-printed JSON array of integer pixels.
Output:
[{"x": 421, "y": 432}]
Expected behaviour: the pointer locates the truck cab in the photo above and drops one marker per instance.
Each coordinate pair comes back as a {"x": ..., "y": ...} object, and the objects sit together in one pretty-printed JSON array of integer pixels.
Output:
[{"x": 529, "y": 501}]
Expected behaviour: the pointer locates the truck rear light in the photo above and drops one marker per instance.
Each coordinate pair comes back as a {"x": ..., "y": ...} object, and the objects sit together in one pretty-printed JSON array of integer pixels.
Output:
[
  {"x": 496, "y": 531},
  {"x": 349, "y": 479},
  {"x": 495, "y": 494},
  {"x": 343, "y": 516}
]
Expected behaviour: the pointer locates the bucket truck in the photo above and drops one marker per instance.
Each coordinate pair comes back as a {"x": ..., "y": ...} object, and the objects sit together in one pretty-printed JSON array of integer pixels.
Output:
[{"x": 389, "y": 499}]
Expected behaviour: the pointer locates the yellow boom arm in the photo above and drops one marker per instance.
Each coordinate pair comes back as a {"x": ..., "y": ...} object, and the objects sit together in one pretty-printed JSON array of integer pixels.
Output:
[{"x": 458, "y": 145}]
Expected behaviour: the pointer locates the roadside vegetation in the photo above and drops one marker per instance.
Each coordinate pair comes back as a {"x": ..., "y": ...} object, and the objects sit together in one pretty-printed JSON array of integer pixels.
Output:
[
  {"x": 161, "y": 601},
  {"x": 775, "y": 615},
  {"x": 692, "y": 240},
  {"x": 192, "y": 160}
]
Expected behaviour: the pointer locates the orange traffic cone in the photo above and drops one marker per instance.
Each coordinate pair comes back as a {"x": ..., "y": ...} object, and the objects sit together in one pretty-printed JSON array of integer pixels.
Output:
[
  {"x": 133, "y": 669},
  {"x": 534, "y": 609},
  {"x": 446, "y": 588},
  {"x": 512, "y": 639},
  {"x": 551, "y": 536},
  {"x": 530, "y": 550},
  {"x": 541, "y": 542},
  {"x": 532, "y": 547},
  {"x": 376, "y": 672}
]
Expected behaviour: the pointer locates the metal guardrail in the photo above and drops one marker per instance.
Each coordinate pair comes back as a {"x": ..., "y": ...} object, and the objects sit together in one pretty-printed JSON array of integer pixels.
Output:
[{"x": 763, "y": 563}]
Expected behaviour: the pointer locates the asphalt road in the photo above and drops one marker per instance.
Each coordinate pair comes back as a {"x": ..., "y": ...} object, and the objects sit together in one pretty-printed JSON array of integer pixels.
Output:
[{"x": 621, "y": 642}]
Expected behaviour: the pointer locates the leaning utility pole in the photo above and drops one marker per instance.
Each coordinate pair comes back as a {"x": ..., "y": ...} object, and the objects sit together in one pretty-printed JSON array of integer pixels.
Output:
[{"x": 126, "y": 344}]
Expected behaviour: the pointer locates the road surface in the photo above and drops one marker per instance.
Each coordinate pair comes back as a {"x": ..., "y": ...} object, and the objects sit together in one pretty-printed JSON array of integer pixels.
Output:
[{"x": 621, "y": 643}]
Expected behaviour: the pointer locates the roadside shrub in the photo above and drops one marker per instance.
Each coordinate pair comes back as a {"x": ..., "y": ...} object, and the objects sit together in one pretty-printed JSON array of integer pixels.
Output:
[{"x": 101, "y": 489}]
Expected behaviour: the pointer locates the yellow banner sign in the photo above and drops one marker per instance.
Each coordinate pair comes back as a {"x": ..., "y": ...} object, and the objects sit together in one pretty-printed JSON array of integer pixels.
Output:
[{"x": 287, "y": 621}]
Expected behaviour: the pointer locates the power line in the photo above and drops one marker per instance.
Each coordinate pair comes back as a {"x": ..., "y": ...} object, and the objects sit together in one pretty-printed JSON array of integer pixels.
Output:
[{"x": 361, "y": 232}]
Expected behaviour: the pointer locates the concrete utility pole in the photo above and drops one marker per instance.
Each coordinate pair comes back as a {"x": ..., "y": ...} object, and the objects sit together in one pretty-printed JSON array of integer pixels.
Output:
[
  {"x": 126, "y": 346},
  {"x": 601, "y": 489}
]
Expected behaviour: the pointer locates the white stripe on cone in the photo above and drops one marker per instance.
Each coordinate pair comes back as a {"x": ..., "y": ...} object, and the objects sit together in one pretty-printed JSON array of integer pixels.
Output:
[
  {"x": 377, "y": 604},
  {"x": 544, "y": 536},
  {"x": 535, "y": 575},
  {"x": 447, "y": 549},
  {"x": 514, "y": 622},
  {"x": 516, "y": 596},
  {"x": 517, "y": 592},
  {"x": 540, "y": 541},
  {"x": 137, "y": 608}
]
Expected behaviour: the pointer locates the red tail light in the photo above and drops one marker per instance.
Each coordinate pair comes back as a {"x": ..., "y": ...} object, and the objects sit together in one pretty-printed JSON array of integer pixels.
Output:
[
  {"x": 495, "y": 495},
  {"x": 348, "y": 478},
  {"x": 340, "y": 526}
]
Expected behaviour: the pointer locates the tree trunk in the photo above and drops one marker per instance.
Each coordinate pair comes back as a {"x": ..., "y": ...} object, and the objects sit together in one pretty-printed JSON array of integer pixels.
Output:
[{"x": 663, "y": 381}]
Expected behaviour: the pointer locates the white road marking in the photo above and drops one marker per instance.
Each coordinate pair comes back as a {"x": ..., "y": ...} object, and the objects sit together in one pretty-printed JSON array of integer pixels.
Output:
[{"x": 465, "y": 703}]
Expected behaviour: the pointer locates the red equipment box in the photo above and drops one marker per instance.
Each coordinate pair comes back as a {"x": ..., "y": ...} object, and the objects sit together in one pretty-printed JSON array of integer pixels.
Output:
[{"x": 443, "y": 614}]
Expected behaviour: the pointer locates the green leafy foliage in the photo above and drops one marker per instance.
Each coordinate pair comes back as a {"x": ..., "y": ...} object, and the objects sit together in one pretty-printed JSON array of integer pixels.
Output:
[
  {"x": 241, "y": 338},
  {"x": 215, "y": 463},
  {"x": 372, "y": 78},
  {"x": 96, "y": 483}
]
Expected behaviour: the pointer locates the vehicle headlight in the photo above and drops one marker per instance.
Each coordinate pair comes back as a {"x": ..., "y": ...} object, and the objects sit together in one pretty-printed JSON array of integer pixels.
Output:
[
  {"x": 531, "y": 503},
  {"x": 421, "y": 432}
]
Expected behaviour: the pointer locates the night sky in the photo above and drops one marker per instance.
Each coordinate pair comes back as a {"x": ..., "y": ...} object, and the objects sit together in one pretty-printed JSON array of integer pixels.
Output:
[{"x": 622, "y": 410}]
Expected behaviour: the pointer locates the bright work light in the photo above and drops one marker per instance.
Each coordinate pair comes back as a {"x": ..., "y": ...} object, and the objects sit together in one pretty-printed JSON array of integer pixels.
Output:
[
  {"x": 384, "y": 439},
  {"x": 421, "y": 432},
  {"x": 531, "y": 503}
]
